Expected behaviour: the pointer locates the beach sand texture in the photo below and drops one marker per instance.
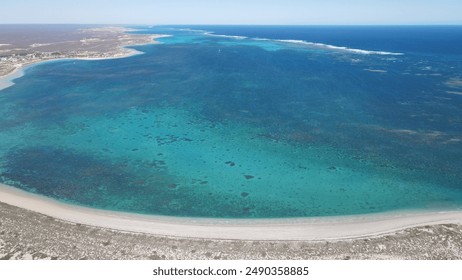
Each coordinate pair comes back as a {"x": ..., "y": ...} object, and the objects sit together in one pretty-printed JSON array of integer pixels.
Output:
[
  {"x": 28, "y": 235},
  {"x": 329, "y": 228}
]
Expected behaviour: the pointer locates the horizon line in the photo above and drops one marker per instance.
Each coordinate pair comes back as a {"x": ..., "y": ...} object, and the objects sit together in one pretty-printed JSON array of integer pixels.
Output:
[{"x": 242, "y": 24}]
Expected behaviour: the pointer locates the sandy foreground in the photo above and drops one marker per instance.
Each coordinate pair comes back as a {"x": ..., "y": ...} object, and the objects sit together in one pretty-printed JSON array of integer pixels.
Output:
[
  {"x": 310, "y": 229},
  {"x": 35, "y": 227}
]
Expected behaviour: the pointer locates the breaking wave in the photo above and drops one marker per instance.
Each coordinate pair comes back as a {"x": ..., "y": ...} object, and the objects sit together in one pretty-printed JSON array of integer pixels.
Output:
[
  {"x": 326, "y": 46},
  {"x": 225, "y": 36},
  {"x": 298, "y": 42}
]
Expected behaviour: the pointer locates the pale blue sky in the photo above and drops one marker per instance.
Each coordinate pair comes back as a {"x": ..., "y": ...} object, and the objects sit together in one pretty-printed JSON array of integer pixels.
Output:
[{"x": 232, "y": 11}]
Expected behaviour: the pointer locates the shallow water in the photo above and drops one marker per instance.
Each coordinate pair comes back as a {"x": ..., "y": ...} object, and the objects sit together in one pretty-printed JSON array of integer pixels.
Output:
[{"x": 213, "y": 126}]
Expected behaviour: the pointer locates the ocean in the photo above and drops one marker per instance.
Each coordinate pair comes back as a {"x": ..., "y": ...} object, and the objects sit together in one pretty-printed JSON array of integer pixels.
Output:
[{"x": 246, "y": 122}]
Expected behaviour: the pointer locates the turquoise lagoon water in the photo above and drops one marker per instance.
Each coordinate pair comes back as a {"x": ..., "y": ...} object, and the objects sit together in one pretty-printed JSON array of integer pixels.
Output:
[{"x": 281, "y": 122}]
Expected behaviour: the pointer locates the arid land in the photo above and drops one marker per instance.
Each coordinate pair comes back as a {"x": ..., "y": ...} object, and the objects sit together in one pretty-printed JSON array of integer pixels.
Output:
[
  {"x": 28, "y": 235},
  {"x": 21, "y": 45}
]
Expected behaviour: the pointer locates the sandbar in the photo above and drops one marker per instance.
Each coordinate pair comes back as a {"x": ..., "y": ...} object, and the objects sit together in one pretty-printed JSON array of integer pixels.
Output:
[{"x": 7, "y": 80}]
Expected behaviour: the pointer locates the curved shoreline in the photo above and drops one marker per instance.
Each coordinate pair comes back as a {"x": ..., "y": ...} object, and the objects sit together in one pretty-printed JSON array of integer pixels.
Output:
[
  {"x": 7, "y": 80},
  {"x": 297, "y": 229},
  {"x": 121, "y": 51}
]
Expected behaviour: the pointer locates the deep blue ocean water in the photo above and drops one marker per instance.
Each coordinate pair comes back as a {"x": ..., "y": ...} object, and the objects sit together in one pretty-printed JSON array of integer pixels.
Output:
[{"x": 246, "y": 122}]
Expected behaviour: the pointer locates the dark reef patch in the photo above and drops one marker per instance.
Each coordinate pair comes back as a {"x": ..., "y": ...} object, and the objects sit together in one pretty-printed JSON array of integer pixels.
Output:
[
  {"x": 123, "y": 185},
  {"x": 80, "y": 178}
]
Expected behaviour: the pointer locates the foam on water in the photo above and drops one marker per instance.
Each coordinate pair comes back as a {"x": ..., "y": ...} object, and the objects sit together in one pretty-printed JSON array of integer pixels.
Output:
[
  {"x": 299, "y": 42},
  {"x": 320, "y": 45},
  {"x": 225, "y": 36}
]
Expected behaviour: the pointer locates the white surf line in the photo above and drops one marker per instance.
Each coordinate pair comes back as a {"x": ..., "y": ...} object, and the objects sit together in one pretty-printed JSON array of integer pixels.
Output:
[
  {"x": 332, "y": 47},
  {"x": 301, "y": 42}
]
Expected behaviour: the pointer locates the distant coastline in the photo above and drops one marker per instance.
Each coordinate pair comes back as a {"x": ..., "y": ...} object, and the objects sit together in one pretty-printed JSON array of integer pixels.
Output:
[{"x": 105, "y": 43}]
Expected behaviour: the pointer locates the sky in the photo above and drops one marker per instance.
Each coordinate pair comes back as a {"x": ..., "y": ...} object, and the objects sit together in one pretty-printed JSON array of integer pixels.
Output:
[{"x": 284, "y": 12}]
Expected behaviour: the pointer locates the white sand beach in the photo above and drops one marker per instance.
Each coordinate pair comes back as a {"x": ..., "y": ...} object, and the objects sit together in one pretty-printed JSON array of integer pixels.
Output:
[
  {"x": 8, "y": 79},
  {"x": 330, "y": 228}
]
